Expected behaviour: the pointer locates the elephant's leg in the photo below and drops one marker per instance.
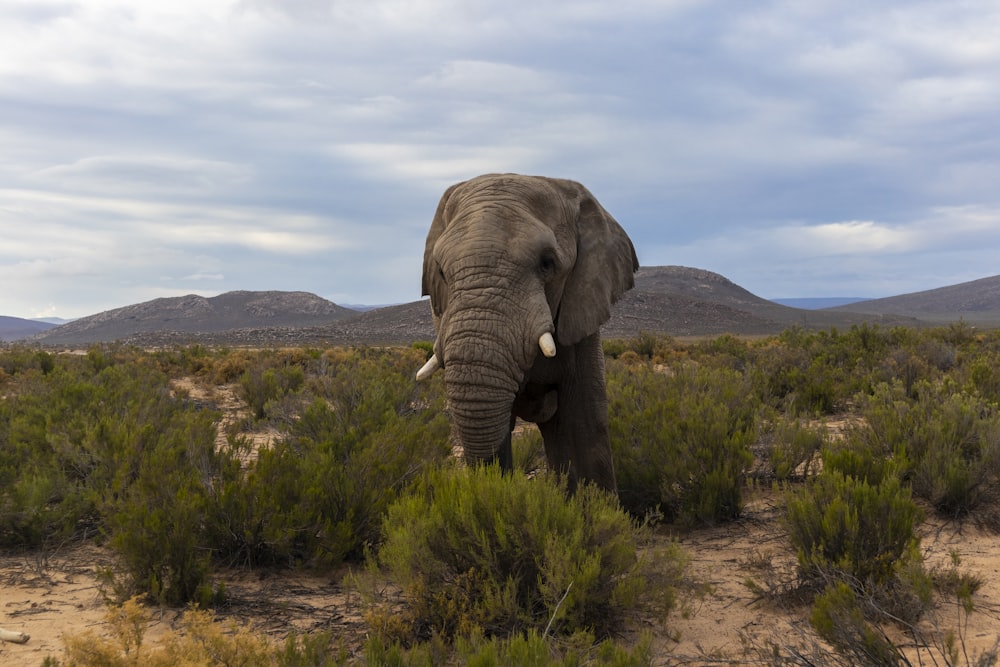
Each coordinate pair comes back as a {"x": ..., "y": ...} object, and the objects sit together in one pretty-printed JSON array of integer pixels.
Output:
[
  {"x": 505, "y": 455},
  {"x": 577, "y": 442}
]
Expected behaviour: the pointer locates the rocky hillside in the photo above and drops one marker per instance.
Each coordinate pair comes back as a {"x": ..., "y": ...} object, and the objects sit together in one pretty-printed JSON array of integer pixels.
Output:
[
  {"x": 976, "y": 302},
  {"x": 683, "y": 301},
  {"x": 179, "y": 317}
]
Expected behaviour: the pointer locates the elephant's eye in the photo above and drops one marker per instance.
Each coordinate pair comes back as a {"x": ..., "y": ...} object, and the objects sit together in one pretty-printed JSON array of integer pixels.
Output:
[{"x": 547, "y": 263}]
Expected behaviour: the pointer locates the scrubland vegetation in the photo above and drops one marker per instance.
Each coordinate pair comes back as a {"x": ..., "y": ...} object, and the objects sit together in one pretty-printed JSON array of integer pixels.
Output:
[{"x": 111, "y": 446}]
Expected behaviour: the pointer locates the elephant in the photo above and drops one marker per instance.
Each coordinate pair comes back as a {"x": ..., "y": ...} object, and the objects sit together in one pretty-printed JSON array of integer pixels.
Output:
[{"x": 522, "y": 271}]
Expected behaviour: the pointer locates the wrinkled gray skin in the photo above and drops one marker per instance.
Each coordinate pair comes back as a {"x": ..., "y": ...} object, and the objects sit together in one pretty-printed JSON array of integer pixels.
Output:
[{"x": 509, "y": 258}]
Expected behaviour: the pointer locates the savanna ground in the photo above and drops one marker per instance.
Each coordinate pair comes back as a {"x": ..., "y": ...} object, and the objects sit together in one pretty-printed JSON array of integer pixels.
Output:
[
  {"x": 50, "y": 596},
  {"x": 736, "y": 603}
]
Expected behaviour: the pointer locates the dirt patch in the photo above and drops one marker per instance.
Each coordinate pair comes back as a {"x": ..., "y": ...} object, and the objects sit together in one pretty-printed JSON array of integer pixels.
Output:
[
  {"x": 62, "y": 594},
  {"x": 46, "y": 597},
  {"x": 233, "y": 409},
  {"x": 756, "y": 548}
]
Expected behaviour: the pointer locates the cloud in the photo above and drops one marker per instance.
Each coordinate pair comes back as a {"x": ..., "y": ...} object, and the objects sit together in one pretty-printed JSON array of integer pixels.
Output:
[
  {"x": 204, "y": 276},
  {"x": 144, "y": 175},
  {"x": 849, "y": 258},
  {"x": 231, "y": 144},
  {"x": 440, "y": 165}
]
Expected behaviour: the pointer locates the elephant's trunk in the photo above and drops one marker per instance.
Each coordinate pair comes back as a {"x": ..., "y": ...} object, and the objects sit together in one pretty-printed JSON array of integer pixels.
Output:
[
  {"x": 481, "y": 427},
  {"x": 481, "y": 378}
]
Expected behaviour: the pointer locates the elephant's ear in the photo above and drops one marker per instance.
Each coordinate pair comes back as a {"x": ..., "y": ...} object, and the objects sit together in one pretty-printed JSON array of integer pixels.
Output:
[
  {"x": 433, "y": 284},
  {"x": 605, "y": 262}
]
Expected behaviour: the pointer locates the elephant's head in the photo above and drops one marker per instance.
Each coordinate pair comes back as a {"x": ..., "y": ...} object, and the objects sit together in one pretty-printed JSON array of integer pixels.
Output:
[{"x": 514, "y": 265}]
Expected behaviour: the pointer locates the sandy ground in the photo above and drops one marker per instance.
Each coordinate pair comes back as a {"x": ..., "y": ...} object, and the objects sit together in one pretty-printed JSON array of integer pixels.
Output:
[
  {"x": 756, "y": 547},
  {"x": 46, "y": 598}
]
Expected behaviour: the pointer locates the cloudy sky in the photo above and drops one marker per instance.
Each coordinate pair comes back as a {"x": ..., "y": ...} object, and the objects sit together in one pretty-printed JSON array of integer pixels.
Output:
[{"x": 799, "y": 148}]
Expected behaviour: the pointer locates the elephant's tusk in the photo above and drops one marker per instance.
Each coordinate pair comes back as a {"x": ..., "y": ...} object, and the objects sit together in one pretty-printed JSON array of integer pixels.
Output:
[
  {"x": 428, "y": 369},
  {"x": 547, "y": 344}
]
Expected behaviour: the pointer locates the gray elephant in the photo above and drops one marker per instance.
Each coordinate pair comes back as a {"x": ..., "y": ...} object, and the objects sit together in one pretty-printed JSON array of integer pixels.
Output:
[{"x": 522, "y": 272}]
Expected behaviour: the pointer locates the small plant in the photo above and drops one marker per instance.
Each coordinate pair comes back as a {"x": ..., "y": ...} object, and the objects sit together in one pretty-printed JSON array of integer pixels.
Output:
[
  {"x": 839, "y": 618},
  {"x": 793, "y": 450},
  {"x": 201, "y": 641}
]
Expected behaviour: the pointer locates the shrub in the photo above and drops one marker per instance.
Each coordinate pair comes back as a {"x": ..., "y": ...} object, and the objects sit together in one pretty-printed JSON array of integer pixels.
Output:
[
  {"x": 839, "y": 618},
  {"x": 478, "y": 550},
  {"x": 851, "y": 458},
  {"x": 983, "y": 375},
  {"x": 260, "y": 385},
  {"x": 158, "y": 523},
  {"x": 201, "y": 641},
  {"x": 425, "y": 346},
  {"x": 645, "y": 346},
  {"x": 319, "y": 492},
  {"x": 792, "y": 449},
  {"x": 945, "y": 443},
  {"x": 532, "y": 649},
  {"x": 41, "y": 507},
  {"x": 681, "y": 439},
  {"x": 847, "y": 528}
]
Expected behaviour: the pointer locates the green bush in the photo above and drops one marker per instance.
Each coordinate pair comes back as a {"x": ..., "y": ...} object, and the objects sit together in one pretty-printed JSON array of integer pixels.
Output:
[
  {"x": 260, "y": 385},
  {"x": 851, "y": 458},
  {"x": 40, "y": 508},
  {"x": 839, "y": 618},
  {"x": 799, "y": 379},
  {"x": 983, "y": 375},
  {"x": 842, "y": 528},
  {"x": 644, "y": 346},
  {"x": 477, "y": 550},
  {"x": 681, "y": 439},
  {"x": 157, "y": 510},
  {"x": 791, "y": 449},
  {"x": 944, "y": 442},
  {"x": 319, "y": 492},
  {"x": 159, "y": 532}
]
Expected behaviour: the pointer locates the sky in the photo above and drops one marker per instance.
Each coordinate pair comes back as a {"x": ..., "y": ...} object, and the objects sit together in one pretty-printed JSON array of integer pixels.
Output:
[{"x": 805, "y": 148}]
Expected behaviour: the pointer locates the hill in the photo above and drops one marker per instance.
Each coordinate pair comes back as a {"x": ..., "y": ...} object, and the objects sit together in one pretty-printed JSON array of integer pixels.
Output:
[
  {"x": 683, "y": 301},
  {"x": 674, "y": 300},
  {"x": 193, "y": 315},
  {"x": 15, "y": 328},
  {"x": 976, "y": 302}
]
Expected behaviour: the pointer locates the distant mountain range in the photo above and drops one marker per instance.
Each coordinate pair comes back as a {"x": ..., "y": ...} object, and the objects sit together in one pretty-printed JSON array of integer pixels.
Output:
[
  {"x": 15, "y": 328},
  {"x": 674, "y": 300}
]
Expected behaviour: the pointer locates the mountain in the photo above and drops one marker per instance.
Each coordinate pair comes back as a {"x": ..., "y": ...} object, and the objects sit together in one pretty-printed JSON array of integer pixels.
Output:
[
  {"x": 15, "y": 328},
  {"x": 976, "y": 302},
  {"x": 189, "y": 315},
  {"x": 683, "y": 301},
  {"x": 675, "y": 300}
]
